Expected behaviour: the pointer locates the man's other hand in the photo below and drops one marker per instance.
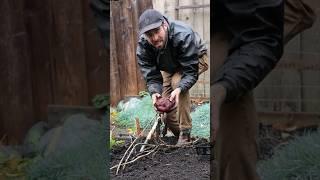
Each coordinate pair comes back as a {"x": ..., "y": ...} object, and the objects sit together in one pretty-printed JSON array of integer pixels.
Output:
[
  {"x": 175, "y": 95},
  {"x": 155, "y": 97}
]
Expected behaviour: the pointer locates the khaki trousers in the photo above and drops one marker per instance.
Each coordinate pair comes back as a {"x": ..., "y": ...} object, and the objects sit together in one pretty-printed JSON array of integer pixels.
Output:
[
  {"x": 236, "y": 146},
  {"x": 179, "y": 118}
]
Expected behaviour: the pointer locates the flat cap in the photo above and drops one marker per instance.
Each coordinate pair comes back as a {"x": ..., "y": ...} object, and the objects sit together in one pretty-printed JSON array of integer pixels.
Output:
[{"x": 149, "y": 19}]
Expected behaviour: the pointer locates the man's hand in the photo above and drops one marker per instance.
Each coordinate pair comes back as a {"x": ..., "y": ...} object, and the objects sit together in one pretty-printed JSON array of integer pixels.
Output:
[
  {"x": 155, "y": 97},
  {"x": 175, "y": 95}
]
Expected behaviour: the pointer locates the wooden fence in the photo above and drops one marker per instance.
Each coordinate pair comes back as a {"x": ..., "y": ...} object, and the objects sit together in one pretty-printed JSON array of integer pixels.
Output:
[
  {"x": 294, "y": 85},
  {"x": 125, "y": 77},
  {"x": 50, "y": 53}
]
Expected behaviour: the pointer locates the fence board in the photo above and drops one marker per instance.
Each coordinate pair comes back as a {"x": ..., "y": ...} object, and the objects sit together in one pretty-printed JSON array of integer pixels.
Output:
[
  {"x": 16, "y": 110},
  {"x": 119, "y": 47},
  {"x": 37, "y": 12},
  {"x": 126, "y": 79},
  {"x": 70, "y": 84},
  {"x": 95, "y": 55},
  {"x": 114, "y": 69},
  {"x": 129, "y": 46},
  {"x": 141, "y": 85}
]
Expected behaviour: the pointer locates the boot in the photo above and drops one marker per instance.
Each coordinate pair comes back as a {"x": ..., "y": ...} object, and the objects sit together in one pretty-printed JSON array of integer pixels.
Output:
[{"x": 184, "y": 137}]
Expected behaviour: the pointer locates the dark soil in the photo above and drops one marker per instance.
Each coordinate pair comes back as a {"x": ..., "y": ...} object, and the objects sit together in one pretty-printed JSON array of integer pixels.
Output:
[
  {"x": 186, "y": 163},
  {"x": 166, "y": 164}
]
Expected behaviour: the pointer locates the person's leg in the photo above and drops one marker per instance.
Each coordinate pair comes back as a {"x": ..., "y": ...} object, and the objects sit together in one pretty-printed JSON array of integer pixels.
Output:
[
  {"x": 183, "y": 111},
  {"x": 236, "y": 146},
  {"x": 170, "y": 118},
  {"x": 183, "y": 108},
  {"x": 219, "y": 48},
  {"x": 178, "y": 119}
]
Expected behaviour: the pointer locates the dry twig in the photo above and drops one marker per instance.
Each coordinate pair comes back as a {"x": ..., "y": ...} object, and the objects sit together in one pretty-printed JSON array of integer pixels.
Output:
[
  {"x": 125, "y": 155},
  {"x": 138, "y": 157},
  {"x": 132, "y": 149}
]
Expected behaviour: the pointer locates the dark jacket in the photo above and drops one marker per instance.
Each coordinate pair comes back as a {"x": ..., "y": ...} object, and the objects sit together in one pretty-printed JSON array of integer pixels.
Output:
[
  {"x": 256, "y": 28},
  {"x": 101, "y": 10},
  {"x": 181, "y": 53}
]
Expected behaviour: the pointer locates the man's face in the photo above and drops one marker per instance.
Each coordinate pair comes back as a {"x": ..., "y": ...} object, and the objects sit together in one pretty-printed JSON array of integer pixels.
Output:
[{"x": 157, "y": 37}]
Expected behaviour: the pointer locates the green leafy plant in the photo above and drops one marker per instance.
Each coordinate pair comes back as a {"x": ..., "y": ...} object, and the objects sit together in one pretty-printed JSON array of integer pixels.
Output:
[
  {"x": 101, "y": 101},
  {"x": 86, "y": 160},
  {"x": 299, "y": 160},
  {"x": 135, "y": 108},
  {"x": 114, "y": 142},
  {"x": 14, "y": 168},
  {"x": 143, "y": 93},
  {"x": 201, "y": 121}
]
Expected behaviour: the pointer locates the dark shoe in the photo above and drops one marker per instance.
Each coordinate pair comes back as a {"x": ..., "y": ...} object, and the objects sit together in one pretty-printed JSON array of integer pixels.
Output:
[{"x": 184, "y": 137}]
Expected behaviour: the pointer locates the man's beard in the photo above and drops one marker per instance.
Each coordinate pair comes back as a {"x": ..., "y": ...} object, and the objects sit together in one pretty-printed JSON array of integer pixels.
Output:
[
  {"x": 159, "y": 44},
  {"x": 162, "y": 42}
]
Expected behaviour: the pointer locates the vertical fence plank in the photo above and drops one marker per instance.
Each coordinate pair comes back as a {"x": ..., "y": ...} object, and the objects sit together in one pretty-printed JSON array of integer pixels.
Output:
[
  {"x": 16, "y": 110},
  {"x": 141, "y": 84},
  {"x": 95, "y": 54},
  {"x": 115, "y": 94},
  {"x": 139, "y": 7},
  {"x": 69, "y": 65},
  {"x": 129, "y": 48},
  {"x": 38, "y": 27},
  {"x": 143, "y": 5},
  {"x": 121, "y": 56}
]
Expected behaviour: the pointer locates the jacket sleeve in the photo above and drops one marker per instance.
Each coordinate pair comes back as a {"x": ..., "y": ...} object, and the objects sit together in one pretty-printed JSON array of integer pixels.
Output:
[
  {"x": 149, "y": 70},
  {"x": 188, "y": 59},
  {"x": 101, "y": 10},
  {"x": 256, "y": 47}
]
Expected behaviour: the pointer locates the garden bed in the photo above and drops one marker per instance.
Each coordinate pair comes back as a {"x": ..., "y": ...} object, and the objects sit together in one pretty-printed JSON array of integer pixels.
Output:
[{"x": 167, "y": 163}]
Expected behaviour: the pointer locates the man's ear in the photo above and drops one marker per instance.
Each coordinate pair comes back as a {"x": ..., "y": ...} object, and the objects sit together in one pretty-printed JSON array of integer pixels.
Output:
[{"x": 165, "y": 24}]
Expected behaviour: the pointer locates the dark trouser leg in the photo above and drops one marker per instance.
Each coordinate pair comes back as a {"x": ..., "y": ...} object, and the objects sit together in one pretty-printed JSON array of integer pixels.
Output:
[{"x": 236, "y": 146}]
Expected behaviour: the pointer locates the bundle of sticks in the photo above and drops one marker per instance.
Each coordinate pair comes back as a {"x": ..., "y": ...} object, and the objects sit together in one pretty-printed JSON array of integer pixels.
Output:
[{"x": 133, "y": 153}]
